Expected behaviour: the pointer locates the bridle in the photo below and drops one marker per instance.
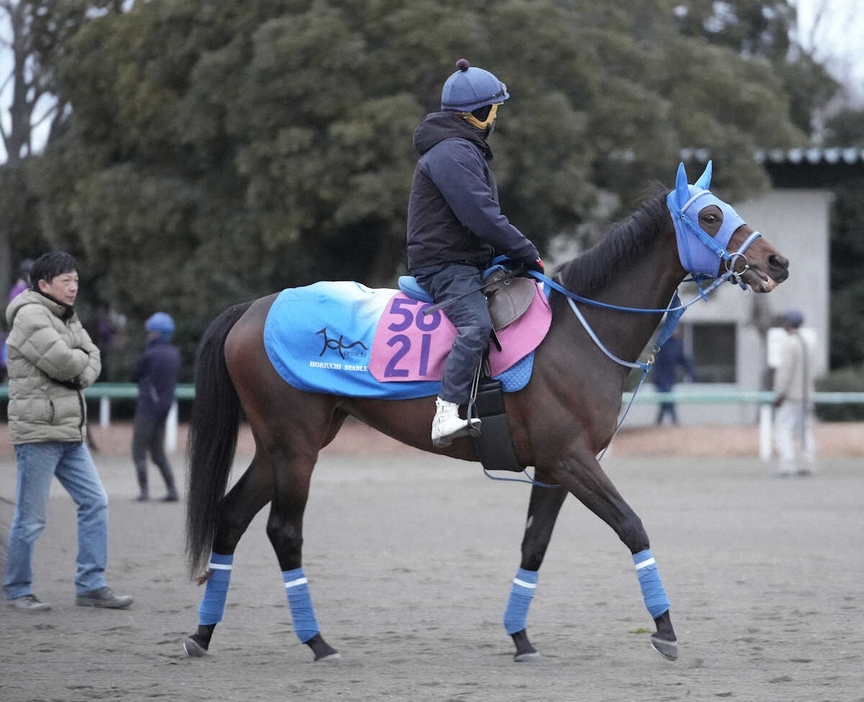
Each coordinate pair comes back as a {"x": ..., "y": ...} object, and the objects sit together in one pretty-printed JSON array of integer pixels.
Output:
[
  {"x": 675, "y": 308},
  {"x": 700, "y": 264}
]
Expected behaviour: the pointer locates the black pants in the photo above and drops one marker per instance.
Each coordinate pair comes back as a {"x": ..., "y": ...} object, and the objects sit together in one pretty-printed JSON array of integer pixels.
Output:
[
  {"x": 667, "y": 408},
  {"x": 149, "y": 435}
]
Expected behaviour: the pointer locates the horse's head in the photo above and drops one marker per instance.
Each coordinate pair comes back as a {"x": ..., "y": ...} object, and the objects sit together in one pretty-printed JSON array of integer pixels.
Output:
[{"x": 714, "y": 240}]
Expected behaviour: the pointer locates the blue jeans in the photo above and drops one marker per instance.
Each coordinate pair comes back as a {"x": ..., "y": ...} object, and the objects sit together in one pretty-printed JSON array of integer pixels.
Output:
[
  {"x": 470, "y": 316},
  {"x": 38, "y": 463}
]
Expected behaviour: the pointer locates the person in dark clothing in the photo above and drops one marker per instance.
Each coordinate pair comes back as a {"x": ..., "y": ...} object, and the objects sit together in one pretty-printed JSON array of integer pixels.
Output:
[
  {"x": 156, "y": 372},
  {"x": 103, "y": 328},
  {"x": 455, "y": 228},
  {"x": 669, "y": 359}
]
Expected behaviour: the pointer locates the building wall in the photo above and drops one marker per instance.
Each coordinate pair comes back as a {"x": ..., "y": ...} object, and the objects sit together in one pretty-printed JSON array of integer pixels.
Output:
[{"x": 796, "y": 222}]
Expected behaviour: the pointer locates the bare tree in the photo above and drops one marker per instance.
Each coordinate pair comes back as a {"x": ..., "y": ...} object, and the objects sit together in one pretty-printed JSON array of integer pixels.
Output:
[
  {"x": 830, "y": 33},
  {"x": 32, "y": 35},
  {"x": 30, "y": 103},
  {"x": 19, "y": 88}
]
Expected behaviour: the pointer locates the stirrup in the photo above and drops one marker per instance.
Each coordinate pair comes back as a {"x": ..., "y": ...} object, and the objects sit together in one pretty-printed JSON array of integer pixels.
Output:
[
  {"x": 466, "y": 429},
  {"x": 447, "y": 415}
]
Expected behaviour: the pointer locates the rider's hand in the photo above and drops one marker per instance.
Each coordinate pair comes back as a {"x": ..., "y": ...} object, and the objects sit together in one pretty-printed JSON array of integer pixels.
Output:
[{"x": 536, "y": 265}]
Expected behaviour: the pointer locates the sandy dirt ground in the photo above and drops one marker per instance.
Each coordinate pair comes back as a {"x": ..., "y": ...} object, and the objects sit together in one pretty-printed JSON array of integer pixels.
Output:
[{"x": 410, "y": 558}]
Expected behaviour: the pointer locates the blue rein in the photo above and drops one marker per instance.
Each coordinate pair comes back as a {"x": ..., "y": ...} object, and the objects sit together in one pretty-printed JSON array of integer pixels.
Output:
[{"x": 673, "y": 311}]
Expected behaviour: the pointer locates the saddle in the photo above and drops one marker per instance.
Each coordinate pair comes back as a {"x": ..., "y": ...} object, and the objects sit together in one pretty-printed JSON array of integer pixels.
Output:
[{"x": 507, "y": 296}]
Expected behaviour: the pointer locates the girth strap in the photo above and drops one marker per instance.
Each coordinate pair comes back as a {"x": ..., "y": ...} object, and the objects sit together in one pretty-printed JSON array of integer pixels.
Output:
[{"x": 493, "y": 445}]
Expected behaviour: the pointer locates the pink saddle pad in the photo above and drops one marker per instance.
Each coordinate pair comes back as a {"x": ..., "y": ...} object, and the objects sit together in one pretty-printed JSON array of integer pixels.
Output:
[{"x": 409, "y": 346}]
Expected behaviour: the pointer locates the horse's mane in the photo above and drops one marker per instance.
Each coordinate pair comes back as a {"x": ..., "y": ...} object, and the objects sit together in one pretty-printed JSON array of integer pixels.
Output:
[{"x": 624, "y": 243}]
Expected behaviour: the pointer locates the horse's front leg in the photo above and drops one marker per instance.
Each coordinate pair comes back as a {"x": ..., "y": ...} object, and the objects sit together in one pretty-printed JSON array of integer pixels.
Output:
[
  {"x": 582, "y": 475},
  {"x": 236, "y": 511},
  {"x": 543, "y": 509}
]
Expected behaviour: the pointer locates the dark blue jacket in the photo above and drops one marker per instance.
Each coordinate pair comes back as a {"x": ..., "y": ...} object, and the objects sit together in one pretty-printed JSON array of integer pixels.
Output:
[
  {"x": 156, "y": 372},
  {"x": 453, "y": 211},
  {"x": 669, "y": 358}
]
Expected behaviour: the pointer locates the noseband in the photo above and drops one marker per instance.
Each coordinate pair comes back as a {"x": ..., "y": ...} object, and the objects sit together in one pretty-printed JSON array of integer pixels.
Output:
[{"x": 730, "y": 259}]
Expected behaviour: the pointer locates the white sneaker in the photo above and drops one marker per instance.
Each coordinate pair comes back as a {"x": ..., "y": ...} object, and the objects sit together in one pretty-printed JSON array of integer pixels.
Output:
[
  {"x": 448, "y": 425},
  {"x": 28, "y": 603}
]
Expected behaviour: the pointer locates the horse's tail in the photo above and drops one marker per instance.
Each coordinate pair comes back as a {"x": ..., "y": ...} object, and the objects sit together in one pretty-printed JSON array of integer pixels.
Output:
[{"x": 213, "y": 430}]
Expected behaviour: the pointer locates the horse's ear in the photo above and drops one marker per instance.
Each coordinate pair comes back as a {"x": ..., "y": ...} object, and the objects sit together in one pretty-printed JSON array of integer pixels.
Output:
[
  {"x": 704, "y": 181},
  {"x": 682, "y": 190}
]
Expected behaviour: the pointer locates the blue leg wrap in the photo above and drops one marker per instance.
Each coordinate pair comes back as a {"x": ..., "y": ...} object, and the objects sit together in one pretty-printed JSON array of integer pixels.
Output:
[
  {"x": 652, "y": 587},
  {"x": 521, "y": 594},
  {"x": 300, "y": 602},
  {"x": 213, "y": 605}
]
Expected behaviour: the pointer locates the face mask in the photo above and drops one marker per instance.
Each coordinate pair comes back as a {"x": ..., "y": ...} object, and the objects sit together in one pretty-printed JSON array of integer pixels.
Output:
[
  {"x": 488, "y": 124},
  {"x": 698, "y": 251}
]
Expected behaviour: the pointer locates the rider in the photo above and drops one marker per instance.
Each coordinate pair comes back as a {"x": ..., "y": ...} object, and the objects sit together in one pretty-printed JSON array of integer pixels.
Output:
[{"x": 455, "y": 228}]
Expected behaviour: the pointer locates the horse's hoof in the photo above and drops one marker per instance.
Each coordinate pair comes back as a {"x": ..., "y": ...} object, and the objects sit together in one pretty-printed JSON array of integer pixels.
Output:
[
  {"x": 322, "y": 650},
  {"x": 334, "y": 657},
  {"x": 525, "y": 652},
  {"x": 192, "y": 648},
  {"x": 528, "y": 657},
  {"x": 667, "y": 649}
]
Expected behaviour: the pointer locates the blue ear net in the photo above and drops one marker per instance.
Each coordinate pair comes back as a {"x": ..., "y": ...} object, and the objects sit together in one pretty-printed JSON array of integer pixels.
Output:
[
  {"x": 682, "y": 190},
  {"x": 698, "y": 251},
  {"x": 704, "y": 181}
]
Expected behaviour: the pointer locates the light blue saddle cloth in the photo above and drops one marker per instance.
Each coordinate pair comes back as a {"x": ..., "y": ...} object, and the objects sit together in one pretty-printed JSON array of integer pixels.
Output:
[{"x": 319, "y": 339}]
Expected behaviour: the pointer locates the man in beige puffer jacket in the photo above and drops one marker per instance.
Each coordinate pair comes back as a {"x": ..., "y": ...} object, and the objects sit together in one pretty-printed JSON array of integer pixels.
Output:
[{"x": 51, "y": 358}]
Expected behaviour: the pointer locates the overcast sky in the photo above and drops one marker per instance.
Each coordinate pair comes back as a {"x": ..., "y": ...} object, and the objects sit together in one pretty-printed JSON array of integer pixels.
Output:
[{"x": 834, "y": 31}]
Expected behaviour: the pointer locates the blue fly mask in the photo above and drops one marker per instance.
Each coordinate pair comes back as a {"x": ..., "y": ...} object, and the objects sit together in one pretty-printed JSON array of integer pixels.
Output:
[{"x": 698, "y": 251}]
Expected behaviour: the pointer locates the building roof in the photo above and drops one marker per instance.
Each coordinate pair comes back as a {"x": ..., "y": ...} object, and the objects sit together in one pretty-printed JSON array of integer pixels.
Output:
[
  {"x": 814, "y": 156},
  {"x": 801, "y": 168}
]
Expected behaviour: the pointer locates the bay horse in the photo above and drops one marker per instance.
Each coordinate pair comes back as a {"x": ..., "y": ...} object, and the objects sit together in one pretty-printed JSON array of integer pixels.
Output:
[{"x": 559, "y": 422}]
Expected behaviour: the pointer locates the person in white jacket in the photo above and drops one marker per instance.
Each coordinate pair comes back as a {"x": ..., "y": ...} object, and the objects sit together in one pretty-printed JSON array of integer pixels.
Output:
[{"x": 794, "y": 387}]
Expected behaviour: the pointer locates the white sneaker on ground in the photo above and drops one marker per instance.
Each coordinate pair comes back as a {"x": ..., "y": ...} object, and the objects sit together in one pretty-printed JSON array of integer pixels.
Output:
[
  {"x": 448, "y": 425},
  {"x": 28, "y": 603}
]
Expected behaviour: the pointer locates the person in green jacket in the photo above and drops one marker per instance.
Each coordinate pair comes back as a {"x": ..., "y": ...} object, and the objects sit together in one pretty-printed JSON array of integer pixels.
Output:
[{"x": 51, "y": 359}]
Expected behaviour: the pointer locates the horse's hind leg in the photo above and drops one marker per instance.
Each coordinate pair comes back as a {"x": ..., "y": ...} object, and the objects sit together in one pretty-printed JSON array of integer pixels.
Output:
[
  {"x": 285, "y": 531},
  {"x": 543, "y": 509},
  {"x": 236, "y": 511}
]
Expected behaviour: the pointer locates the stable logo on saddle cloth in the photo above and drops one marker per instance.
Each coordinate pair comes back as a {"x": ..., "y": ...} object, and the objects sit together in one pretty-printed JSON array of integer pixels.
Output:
[{"x": 343, "y": 338}]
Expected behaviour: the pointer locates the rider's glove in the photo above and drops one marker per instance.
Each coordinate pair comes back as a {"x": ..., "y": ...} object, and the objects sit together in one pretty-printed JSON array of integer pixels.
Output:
[{"x": 536, "y": 265}]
